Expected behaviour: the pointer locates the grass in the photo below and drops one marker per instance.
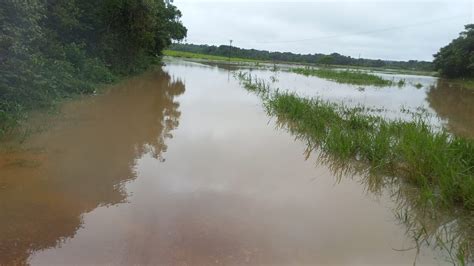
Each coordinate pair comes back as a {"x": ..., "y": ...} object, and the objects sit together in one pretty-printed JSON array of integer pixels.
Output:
[
  {"x": 190, "y": 55},
  {"x": 439, "y": 164},
  {"x": 442, "y": 166},
  {"x": 344, "y": 76},
  {"x": 429, "y": 174}
]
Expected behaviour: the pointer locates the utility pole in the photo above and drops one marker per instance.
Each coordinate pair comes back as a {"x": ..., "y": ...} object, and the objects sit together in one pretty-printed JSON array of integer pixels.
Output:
[{"x": 230, "y": 48}]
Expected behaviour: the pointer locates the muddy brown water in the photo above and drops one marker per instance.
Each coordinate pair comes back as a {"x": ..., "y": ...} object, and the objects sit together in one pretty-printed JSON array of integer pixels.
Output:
[{"x": 182, "y": 166}]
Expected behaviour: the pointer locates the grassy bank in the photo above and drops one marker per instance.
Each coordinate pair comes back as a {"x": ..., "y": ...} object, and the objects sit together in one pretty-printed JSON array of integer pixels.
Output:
[
  {"x": 205, "y": 57},
  {"x": 440, "y": 165},
  {"x": 344, "y": 76}
]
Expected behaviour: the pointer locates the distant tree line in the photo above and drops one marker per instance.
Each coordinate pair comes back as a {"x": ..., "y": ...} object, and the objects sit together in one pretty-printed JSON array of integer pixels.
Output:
[
  {"x": 456, "y": 60},
  {"x": 50, "y": 49},
  {"x": 331, "y": 59}
]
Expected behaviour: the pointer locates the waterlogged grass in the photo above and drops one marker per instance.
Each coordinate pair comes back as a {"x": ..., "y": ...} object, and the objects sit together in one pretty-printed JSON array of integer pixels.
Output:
[
  {"x": 439, "y": 164},
  {"x": 344, "y": 76},
  {"x": 204, "y": 56},
  {"x": 429, "y": 174}
]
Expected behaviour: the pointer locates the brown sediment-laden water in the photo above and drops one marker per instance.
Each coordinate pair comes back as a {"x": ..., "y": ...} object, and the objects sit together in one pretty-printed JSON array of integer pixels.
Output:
[{"x": 183, "y": 166}]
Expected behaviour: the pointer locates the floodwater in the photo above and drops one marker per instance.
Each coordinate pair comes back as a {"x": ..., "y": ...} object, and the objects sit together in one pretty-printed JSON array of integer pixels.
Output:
[
  {"x": 443, "y": 104},
  {"x": 182, "y": 166}
]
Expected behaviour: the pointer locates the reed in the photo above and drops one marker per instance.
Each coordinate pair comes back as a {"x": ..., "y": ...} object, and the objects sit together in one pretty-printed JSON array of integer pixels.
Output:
[
  {"x": 354, "y": 77},
  {"x": 439, "y": 164}
]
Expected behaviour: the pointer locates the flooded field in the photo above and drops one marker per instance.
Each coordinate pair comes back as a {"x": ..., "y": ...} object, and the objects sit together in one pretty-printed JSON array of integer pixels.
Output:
[{"x": 183, "y": 166}]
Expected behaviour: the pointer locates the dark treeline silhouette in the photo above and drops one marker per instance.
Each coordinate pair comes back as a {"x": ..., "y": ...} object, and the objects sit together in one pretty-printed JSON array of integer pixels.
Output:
[
  {"x": 57, "y": 48},
  {"x": 456, "y": 60},
  {"x": 332, "y": 59}
]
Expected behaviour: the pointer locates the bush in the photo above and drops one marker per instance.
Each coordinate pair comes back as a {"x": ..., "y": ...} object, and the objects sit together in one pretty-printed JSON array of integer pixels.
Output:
[
  {"x": 54, "y": 49},
  {"x": 456, "y": 60}
]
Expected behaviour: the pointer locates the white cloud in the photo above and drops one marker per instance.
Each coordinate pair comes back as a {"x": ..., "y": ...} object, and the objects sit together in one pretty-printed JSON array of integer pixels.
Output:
[{"x": 387, "y": 29}]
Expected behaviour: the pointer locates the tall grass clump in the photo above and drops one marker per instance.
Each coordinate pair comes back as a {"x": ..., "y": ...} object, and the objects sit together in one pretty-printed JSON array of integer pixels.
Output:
[
  {"x": 344, "y": 76},
  {"x": 429, "y": 174},
  {"x": 439, "y": 164}
]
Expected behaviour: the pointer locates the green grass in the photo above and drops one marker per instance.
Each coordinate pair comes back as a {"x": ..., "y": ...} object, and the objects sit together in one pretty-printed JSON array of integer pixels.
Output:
[
  {"x": 204, "y": 56},
  {"x": 344, "y": 76},
  {"x": 439, "y": 164},
  {"x": 429, "y": 174},
  {"x": 442, "y": 166}
]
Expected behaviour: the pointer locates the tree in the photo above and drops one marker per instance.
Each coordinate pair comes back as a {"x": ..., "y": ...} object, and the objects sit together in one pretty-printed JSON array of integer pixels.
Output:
[
  {"x": 456, "y": 60},
  {"x": 326, "y": 60},
  {"x": 337, "y": 59},
  {"x": 50, "y": 49}
]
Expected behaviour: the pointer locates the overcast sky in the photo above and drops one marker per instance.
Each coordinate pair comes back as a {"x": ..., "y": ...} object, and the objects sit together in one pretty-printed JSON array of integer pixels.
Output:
[{"x": 386, "y": 29}]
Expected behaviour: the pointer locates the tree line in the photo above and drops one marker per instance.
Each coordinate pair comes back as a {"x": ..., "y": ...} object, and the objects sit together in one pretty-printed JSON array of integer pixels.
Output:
[
  {"x": 317, "y": 58},
  {"x": 51, "y": 49},
  {"x": 456, "y": 60}
]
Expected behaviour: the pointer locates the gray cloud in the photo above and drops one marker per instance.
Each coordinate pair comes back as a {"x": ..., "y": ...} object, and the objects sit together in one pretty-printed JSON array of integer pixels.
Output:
[{"x": 387, "y": 29}]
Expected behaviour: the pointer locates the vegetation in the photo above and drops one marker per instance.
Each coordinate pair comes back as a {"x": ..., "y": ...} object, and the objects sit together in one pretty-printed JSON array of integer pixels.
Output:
[
  {"x": 204, "y": 56},
  {"x": 344, "y": 76},
  {"x": 456, "y": 60},
  {"x": 429, "y": 174},
  {"x": 54, "y": 49},
  {"x": 439, "y": 164},
  {"x": 332, "y": 59}
]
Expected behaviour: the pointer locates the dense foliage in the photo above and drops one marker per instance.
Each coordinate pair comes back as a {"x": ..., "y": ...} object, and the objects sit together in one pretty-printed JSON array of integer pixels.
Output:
[
  {"x": 57, "y": 48},
  {"x": 332, "y": 59},
  {"x": 456, "y": 60}
]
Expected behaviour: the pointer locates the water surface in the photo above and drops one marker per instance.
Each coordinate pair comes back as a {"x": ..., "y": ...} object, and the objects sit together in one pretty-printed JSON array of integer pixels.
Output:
[{"x": 183, "y": 166}]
